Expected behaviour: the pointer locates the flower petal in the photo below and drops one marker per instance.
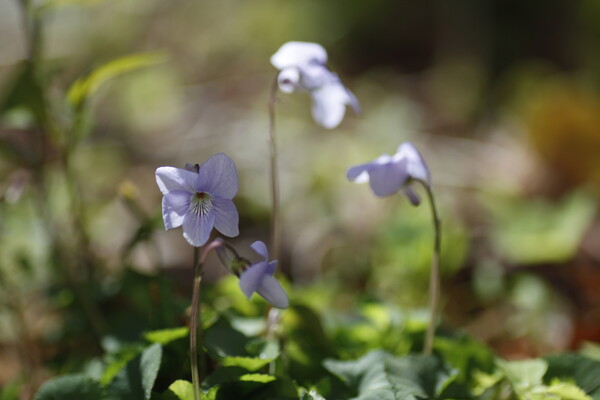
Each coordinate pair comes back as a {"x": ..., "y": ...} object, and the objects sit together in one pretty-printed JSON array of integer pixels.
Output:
[
  {"x": 414, "y": 198},
  {"x": 271, "y": 291},
  {"x": 171, "y": 178},
  {"x": 174, "y": 206},
  {"x": 416, "y": 167},
  {"x": 226, "y": 216},
  {"x": 197, "y": 228},
  {"x": 329, "y": 104},
  {"x": 288, "y": 80},
  {"x": 272, "y": 266},
  {"x": 298, "y": 53},
  {"x": 218, "y": 176},
  {"x": 387, "y": 178},
  {"x": 261, "y": 249},
  {"x": 251, "y": 279},
  {"x": 359, "y": 173}
]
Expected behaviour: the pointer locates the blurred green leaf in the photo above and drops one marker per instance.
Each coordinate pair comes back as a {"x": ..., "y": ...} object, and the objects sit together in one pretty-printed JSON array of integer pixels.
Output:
[
  {"x": 70, "y": 387},
  {"x": 184, "y": 390},
  {"x": 84, "y": 88},
  {"x": 26, "y": 92},
  {"x": 583, "y": 370},
  {"x": 524, "y": 374},
  {"x": 117, "y": 360},
  {"x": 136, "y": 379},
  {"x": 529, "y": 231},
  {"x": 380, "y": 375},
  {"x": 165, "y": 336}
]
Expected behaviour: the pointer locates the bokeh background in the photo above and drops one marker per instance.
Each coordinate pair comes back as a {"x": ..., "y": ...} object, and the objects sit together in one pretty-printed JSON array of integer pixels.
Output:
[{"x": 502, "y": 98}]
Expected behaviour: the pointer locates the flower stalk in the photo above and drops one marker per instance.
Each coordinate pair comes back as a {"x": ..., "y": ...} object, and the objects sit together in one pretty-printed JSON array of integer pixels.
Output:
[
  {"x": 275, "y": 226},
  {"x": 196, "y": 331},
  {"x": 434, "y": 282}
]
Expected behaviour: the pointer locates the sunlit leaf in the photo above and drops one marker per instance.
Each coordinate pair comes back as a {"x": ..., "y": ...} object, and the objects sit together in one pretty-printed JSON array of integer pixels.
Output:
[
  {"x": 165, "y": 336},
  {"x": 86, "y": 87}
]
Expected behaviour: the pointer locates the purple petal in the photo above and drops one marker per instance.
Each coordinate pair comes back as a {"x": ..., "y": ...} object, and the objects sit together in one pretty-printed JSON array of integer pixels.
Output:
[
  {"x": 416, "y": 167},
  {"x": 261, "y": 249},
  {"x": 329, "y": 104},
  {"x": 353, "y": 102},
  {"x": 271, "y": 268},
  {"x": 359, "y": 173},
  {"x": 171, "y": 178},
  {"x": 386, "y": 179},
  {"x": 226, "y": 216},
  {"x": 197, "y": 228},
  {"x": 298, "y": 53},
  {"x": 218, "y": 176},
  {"x": 414, "y": 198},
  {"x": 272, "y": 292},
  {"x": 251, "y": 279},
  {"x": 174, "y": 206}
]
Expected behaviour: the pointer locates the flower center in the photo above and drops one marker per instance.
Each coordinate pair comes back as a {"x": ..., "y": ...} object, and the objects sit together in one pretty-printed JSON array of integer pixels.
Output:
[{"x": 200, "y": 203}]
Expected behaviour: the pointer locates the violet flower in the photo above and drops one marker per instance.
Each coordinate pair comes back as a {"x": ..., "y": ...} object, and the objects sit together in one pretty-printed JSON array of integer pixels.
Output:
[
  {"x": 200, "y": 198},
  {"x": 389, "y": 174},
  {"x": 259, "y": 278},
  {"x": 303, "y": 68}
]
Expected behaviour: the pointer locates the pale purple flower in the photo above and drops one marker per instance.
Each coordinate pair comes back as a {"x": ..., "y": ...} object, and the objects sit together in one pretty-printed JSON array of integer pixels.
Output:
[
  {"x": 303, "y": 68},
  {"x": 389, "y": 174},
  {"x": 259, "y": 278},
  {"x": 200, "y": 198}
]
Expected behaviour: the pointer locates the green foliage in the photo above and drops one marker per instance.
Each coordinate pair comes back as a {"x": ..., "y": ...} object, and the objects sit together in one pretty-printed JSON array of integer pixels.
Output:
[
  {"x": 137, "y": 378},
  {"x": 165, "y": 336},
  {"x": 70, "y": 387}
]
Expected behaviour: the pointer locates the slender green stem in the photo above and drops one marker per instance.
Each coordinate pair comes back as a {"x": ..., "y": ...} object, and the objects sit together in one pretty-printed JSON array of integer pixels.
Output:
[
  {"x": 434, "y": 282},
  {"x": 275, "y": 224},
  {"x": 196, "y": 331}
]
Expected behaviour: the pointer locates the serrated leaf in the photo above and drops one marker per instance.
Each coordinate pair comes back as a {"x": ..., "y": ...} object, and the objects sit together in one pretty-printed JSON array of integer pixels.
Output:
[
  {"x": 70, "y": 387},
  {"x": 165, "y": 336},
  {"x": 380, "y": 375},
  {"x": 566, "y": 391},
  {"x": 83, "y": 88},
  {"x": 136, "y": 379}
]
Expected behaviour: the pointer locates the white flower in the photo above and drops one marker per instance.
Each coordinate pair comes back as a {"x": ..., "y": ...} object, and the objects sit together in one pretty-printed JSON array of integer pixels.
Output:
[{"x": 303, "y": 68}]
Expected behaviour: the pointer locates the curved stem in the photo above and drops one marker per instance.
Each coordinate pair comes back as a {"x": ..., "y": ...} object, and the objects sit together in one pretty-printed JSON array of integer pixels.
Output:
[
  {"x": 196, "y": 331},
  {"x": 275, "y": 226},
  {"x": 434, "y": 282}
]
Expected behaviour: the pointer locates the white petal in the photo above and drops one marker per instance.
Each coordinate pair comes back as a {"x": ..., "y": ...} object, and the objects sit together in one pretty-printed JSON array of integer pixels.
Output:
[
  {"x": 251, "y": 279},
  {"x": 329, "y": 104},
  {"x": 359, "y": 173},
  {"x": 417, "y": 168},
  {"x": 218, "y": 176},
  {"x": 261, "y": 249},
  {"x": 288, "y": 80},
  {"x": 171, "y": 178},
  {"x": 197, "y": 228},
  {"x": 174, "y": 206},
  {"x": 298, "y": 53},
  {"x": 272, "y": 292},
  {"x": 227, "y": 219}
]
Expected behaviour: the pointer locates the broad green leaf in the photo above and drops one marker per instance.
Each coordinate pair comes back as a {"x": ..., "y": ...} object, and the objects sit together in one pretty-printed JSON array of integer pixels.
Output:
[
  {"x": 223, "y": 374},
  {"x": 222, "y": 340},
  {"x": 584, "y": 371},
  {"x": 249, "y": 363},
  {"x": 466, "y": 355},
  {"x": 566, "y": 391},
  {"x": 83, "y": 88},
  {"x": 165, "y": 336},
  {"x": 184, "y": 390},
  {"x": 70, "y": 387},
  {"x": 136, "y": 379},
  {"x": 379, "y": 375},
  {"x": 524, "y": 374},
  {"x": 117, "y": 360}
]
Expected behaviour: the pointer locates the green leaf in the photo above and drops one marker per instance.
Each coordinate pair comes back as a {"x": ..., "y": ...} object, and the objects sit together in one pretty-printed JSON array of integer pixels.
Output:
[
  {"x": 136, "y": 380},
  {"x": 70, "y": 387},
  {"x": 380, "y": 375},
  {"x": 84, "y": 88},
  {"x": 566, "y": 391},
  {"x": 165, "y": 336},
  {"x": 117, "y": 360},
  {"x": 184, "y": 390},
  {"x": 26, "y": 92},
  {"x": 524, "y": 374},
  {"x": 583, "y": 370},
  {"x": 278, "y": 389}
]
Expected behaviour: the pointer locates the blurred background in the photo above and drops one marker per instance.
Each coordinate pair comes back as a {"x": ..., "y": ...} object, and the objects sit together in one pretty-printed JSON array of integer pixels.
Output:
[{"x": 502, "y": 98}]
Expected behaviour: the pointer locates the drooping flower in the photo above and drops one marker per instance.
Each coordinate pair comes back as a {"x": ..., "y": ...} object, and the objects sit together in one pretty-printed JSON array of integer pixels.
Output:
[
  {"x": 200, "y": 198},
  {"x": 259, "y": 278},
  {"x": 303, "y": 68},
  {"x": 389, "y": 174}
]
